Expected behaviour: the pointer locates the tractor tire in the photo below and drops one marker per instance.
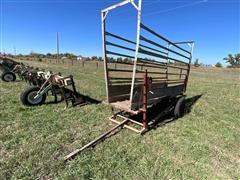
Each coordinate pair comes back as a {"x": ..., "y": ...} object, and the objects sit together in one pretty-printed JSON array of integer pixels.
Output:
[
  {"x": 180, "y": 106},
  {"x": 27, "y": 96},
  {"x": 8, "y": 76}
]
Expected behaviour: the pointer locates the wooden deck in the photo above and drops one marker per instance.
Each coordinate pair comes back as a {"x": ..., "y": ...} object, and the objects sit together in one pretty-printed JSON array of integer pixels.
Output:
[{"x": 124, "y": 106}]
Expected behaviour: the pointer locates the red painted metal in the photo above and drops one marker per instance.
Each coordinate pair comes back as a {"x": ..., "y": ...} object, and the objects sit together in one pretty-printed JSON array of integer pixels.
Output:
[{"x": 145, "y": 92}]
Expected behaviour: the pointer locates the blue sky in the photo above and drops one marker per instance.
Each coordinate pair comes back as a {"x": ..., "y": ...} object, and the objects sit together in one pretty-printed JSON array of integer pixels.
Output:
[{"x": 32, "y": 25}]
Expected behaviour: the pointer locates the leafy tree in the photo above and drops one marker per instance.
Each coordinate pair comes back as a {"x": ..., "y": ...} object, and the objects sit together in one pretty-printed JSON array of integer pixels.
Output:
[
  {"x": 94, "y": 58},
  {"x": 126, "y": 60},
  {"x": 112, "y": 59},
  {"x": 233, "y": 60},
  {"x": 196, "y": 63},
  {"x": 70, "y": 55},
  {"x": 219, "y": 65},
  {"x": 49, "y": 55},
  {"x": 119, "y": 59}
]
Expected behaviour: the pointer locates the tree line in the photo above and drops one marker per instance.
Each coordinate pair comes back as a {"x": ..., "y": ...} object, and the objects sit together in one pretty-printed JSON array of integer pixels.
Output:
[{"x": 232, "y": 60}]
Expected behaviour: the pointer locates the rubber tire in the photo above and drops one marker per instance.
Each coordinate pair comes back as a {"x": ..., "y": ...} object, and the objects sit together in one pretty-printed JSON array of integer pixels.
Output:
[
  {"x": 180, "y": 106},
  {"x": 8, "y": 73},
  {"x": 26, "y": 92}
]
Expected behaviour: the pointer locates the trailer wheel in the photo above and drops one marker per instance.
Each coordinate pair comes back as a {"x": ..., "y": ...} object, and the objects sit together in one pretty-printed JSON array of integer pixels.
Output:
[
  {"x": 8, "y": 77},
  {"x": 179, "y": 109},
  {"x": 27, "y": 96}
]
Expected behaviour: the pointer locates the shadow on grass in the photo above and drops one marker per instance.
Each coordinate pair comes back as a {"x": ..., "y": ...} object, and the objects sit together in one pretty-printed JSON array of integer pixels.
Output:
[
  {"x": 166, "y": 111},
  {"x": 80, "y": 97},
  {"x": 169, "y": 117},
  {"x": 191, "y": 101},
  {"x": 16, "y": 81},
  {"x": 152, "y": 113}
]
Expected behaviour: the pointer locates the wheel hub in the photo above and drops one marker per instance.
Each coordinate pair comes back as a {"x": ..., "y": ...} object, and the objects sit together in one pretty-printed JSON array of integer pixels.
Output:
[
  {"x": 33, "y": 100},
  {"x": 8, "y": 77}
]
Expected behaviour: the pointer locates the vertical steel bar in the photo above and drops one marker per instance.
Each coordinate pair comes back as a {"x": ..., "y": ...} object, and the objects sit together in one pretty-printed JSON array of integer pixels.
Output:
[
  {"x": 137, "y": 49},
  {"x": 73, "y": 84},
  {"x": 145, "y": 93},
  {"x": 104, "y": 54},
  {"x": 189, "y": 66},
  {"x": 169, "y": 46}
]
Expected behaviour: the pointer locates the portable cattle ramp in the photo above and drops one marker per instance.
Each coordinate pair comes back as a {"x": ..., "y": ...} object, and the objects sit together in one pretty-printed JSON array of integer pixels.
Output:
[
  {"x": 154, "y": 71},
  {"x": 153, "y": 67}
]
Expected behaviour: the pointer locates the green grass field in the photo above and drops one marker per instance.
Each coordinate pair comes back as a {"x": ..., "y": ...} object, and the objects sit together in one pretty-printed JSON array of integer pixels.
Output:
[{"x": 204, "y": 144}]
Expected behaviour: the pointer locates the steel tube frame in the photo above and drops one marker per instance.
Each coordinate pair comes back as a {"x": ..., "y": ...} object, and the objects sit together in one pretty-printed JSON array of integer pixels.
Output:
[
  {"x": 139, "y": 50},
  {"x": 163, "y": 38},
  {"x": 132, "y": 42},
  {"x": 104, "y": 14},
  {"x": 191, "y": 44}
]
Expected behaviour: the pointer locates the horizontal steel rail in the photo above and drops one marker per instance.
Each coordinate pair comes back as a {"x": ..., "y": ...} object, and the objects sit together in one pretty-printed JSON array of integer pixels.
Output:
[
  {"x": 122, "y": 63},
  {"x": 123, "y": 47},
  {"x": 132, "y": 42},
  {"x": 121, "y": 82},
  {"x": 119, "y": 46},
  {"x": 152, "y": 66},
  {"x": 119, "y": 54},
  {"x": 116, "y": 5},
  {"x": 119, "y": 37},
  {"x": 153, "y": 82},
  {"x": 149, "y": 63},
  {"x": 119, "y": 78},
  {"x": 161, "y": 64},
  {"x": 163, "y": 47},
  {"x": 163, "y": 38},
  {"x": 139, "y": 71},
  {"x": 184, "y": 42},
  {"x": 120, "y": 70},
  {"x": 160, "y": 56}
]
